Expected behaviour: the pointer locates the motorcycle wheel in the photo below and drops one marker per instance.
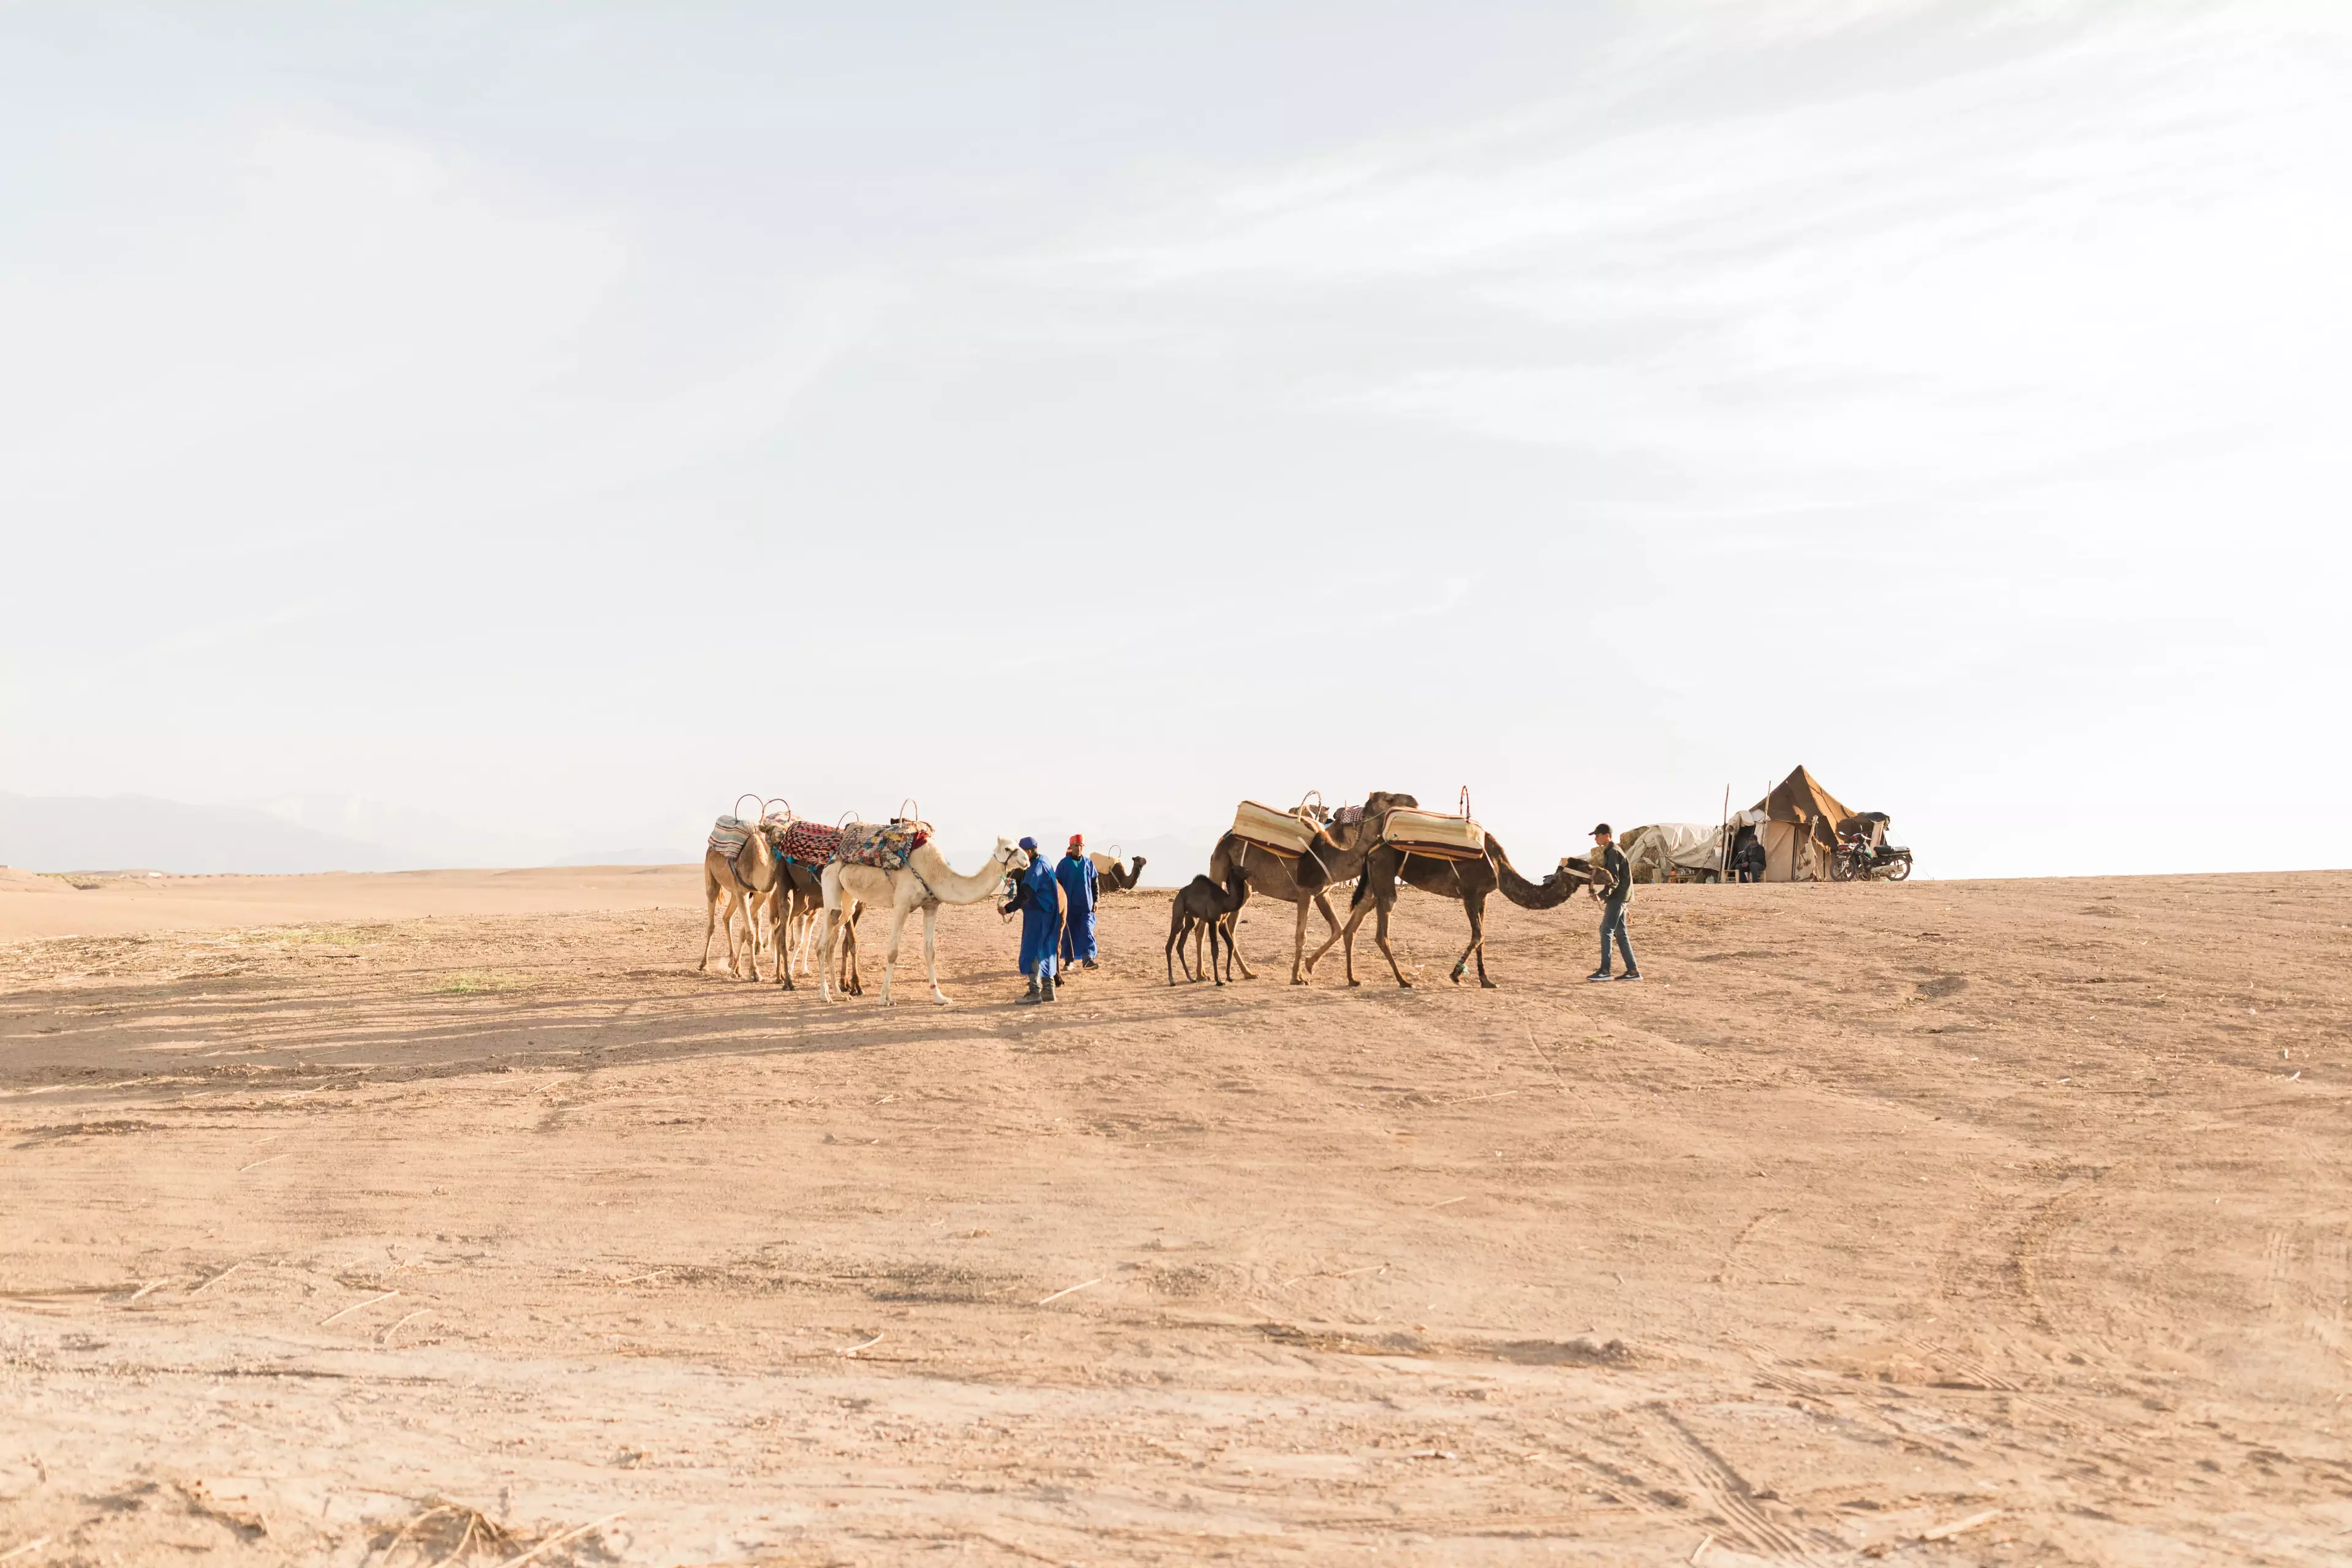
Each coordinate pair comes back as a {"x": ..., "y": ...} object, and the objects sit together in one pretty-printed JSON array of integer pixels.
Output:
[
  {"x": 1840, "y": 869},
  {"x": 1899, "y": 870}
]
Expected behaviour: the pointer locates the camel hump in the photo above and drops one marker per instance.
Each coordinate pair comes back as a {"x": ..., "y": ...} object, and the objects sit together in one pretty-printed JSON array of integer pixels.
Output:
[{"x": 728, "y": 833}]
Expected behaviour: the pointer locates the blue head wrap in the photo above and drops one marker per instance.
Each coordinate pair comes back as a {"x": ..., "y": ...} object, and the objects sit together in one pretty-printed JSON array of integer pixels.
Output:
[{"x": 1030, "y": 845}]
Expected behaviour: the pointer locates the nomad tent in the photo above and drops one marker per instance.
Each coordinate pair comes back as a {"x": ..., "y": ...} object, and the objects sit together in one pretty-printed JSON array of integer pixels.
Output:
[
  {"x": 1799, "y": 823},
  {"x": 1673, "y": 851}
]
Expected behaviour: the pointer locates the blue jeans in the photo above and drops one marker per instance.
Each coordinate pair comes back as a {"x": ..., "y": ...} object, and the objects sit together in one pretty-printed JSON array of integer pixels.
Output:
[{"x": 1612, "y": 919}]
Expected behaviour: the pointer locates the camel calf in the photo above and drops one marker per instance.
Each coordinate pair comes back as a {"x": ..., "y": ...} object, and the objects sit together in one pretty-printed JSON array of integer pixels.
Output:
[{"x": 1199, "y": 912}]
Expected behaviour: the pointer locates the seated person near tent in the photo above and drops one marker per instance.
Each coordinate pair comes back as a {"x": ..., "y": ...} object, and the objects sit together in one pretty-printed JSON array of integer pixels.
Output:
[{"x": 1747, "y": 860}]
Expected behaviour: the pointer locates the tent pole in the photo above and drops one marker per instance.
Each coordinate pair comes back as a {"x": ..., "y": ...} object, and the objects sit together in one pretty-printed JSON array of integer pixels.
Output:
[{"x": 1723, "y": 839}]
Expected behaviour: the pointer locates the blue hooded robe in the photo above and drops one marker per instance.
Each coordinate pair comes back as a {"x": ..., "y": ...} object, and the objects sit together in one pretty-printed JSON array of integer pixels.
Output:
[
  {"x": 1040, "y": 904},
  {"x": 1077, "y": 876}
]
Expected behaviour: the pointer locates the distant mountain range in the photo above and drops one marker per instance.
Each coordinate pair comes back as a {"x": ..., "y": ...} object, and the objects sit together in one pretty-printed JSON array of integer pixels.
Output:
[
  {"x": 133, "y": 832},
  {"x": 125, "y": 833}
]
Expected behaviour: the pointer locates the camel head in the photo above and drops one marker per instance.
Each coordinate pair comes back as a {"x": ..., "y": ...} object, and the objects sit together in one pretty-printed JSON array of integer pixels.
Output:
[{"x": 1011, "y": 856}]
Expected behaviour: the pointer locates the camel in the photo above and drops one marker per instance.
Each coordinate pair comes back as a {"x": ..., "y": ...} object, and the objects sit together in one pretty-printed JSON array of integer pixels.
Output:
[
  {"x": 1201, "y": 907},
  {"x": 794, "y": 912},
  {"x": 925, "y": 882},
  {"x": 740, "y": 883},
  {"x": 1468, "y": 880},
  {"x": 1111, "y": 877},
  {"x": 1337, "y": 855}
]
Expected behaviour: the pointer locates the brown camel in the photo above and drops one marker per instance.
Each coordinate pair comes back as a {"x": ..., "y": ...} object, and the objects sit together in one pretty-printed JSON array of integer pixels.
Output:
[
  {"x": 1468, "y": 880},
  {"x": 1111, "y": 877},
  {"x": 1200, "y": 911},
  {"x": 1337, "y": 855},
  {"x": 795, "y": 911},
  {"x": 743, "y": 883}
]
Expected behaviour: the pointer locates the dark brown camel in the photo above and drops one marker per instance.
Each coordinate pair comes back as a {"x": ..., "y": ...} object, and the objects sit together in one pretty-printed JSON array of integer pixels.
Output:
[
  {"x": 1337, "y": 855},
  {"x": 1115, "y": 877},
  {"x": 1200, "y": 911},
  {"x": 1468, "y": 880}
]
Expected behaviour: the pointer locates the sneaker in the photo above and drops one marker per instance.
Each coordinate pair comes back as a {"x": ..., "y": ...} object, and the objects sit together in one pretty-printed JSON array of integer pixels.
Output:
[
  {"x": 1599, "y": 974},
  {"x": 1630, "y": 975},
  {"x": 1033, "y": 997},
  {"x": 1090, "y": 964}
]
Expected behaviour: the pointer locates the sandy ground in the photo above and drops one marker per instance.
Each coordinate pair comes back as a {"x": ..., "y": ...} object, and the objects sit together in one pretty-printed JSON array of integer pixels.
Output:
[
  {"x": 35, "y": 904},
  {"x": 1945, "y": 1223}
]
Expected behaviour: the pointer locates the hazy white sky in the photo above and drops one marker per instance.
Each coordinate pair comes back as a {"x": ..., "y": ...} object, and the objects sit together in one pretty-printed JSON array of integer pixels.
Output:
[{"x": 1080, "y": 416}]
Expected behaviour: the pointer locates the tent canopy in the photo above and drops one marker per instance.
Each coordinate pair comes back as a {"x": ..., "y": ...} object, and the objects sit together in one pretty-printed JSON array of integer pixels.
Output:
[
  {"x": 1799, "y": 829},
  {"x": 1800, "y": 797}
]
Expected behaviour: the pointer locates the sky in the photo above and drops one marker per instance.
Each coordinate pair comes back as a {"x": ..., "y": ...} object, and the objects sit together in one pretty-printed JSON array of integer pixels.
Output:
[{"x": 543, "y": 423}]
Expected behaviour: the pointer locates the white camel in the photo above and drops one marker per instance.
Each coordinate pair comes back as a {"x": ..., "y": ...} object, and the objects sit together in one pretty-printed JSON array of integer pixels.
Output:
[{"x": 925, "y": 882}]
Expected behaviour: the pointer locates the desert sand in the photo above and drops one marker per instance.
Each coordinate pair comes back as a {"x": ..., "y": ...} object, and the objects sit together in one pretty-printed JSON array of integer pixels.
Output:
[{"x": 386, "y": 1220}]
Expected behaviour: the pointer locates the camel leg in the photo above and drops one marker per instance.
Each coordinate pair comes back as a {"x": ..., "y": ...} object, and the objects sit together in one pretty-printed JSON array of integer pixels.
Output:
[
  {"x": 1175, "y": 943},
  {"x": 855, "y": 981},
  {"x": 1232, "y": 923},
  {"x": 1380, "y": 939},
  {"x": 1298, "y": 945},
  {"x": 890, "y": 957},
  {"x": 709, "y": 920},
  {"x": 1214, "y": 930},
  {"x": 832, "y": 914},
  {"x": 1478, "y": 914},
  {"x": 931, "y": 951},
  {"x": 734, "y": 970},
  {"x": 786, "y": 918},
  {"x": 1348, "y": 937},
  {"x": 1324, "y": 904}
]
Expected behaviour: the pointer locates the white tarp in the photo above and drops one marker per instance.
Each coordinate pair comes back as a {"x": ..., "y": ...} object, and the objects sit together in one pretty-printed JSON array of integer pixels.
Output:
[{"x": 1653, "y": 849}]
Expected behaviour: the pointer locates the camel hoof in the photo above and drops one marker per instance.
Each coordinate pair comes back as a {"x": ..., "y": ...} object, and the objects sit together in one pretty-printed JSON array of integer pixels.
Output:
[
  {"x": 1355, "y": 983},
  {"x": 1485, "y": 985},
  {"x": 1405, "y": 985},
  {"x": 940, "y": 998}
]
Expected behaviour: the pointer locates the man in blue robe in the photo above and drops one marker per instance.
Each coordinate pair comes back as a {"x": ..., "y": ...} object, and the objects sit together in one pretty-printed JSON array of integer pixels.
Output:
[
  {"x": 1076, "y": 874},
  {"x": 1039, "y": 899}
]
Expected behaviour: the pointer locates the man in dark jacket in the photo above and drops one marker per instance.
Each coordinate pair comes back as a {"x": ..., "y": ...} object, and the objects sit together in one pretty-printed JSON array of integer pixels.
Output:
[{"x": 1608, "y": 866}]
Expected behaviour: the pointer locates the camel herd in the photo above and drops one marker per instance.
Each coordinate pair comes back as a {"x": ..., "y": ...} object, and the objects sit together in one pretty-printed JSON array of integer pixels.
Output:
[{"x": 808, "y": 914}]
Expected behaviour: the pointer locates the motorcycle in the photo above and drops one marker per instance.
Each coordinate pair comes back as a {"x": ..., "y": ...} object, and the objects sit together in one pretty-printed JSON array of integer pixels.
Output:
[{"x": 1859, "y": 860}]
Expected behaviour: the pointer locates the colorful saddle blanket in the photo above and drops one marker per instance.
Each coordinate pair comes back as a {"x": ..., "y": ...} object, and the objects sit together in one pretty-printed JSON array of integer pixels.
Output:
[
  {"x": 884, "y": 844},
  {"x": 811, "y": 843},
  {"x": 728, "y": 833}
]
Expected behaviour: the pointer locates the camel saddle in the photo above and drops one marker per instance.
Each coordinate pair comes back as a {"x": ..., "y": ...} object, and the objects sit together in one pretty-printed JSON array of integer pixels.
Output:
[
  {"x": 1435, "y": 834},
  {"x": 1286, "y": 832},
  {"x": 885, "y": 845},
  {"x": 728, "y": 833},
  {"x": 812, "y": 843}
]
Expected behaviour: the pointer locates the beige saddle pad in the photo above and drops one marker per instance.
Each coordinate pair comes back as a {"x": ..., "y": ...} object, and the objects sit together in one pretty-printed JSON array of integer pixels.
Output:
[
  {"x": 1429, "y": 832},
  {"x": 1283, "y": 832}
]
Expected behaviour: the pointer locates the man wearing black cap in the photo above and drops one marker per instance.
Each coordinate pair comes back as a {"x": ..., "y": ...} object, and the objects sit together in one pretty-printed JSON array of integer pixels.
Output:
[{"x": 1608, "y": 866}]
